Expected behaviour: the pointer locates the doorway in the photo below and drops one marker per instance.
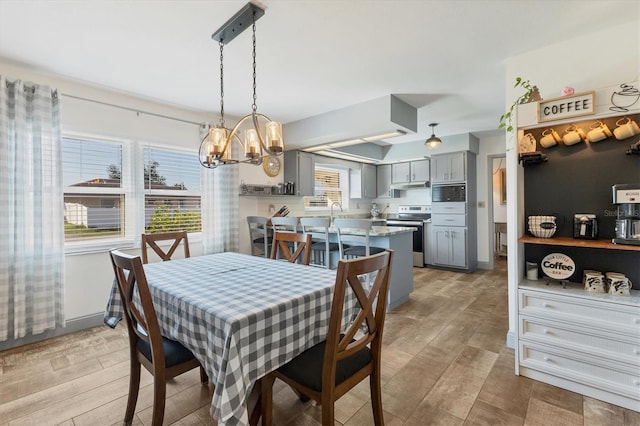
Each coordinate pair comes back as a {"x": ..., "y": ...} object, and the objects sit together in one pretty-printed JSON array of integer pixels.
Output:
[{"x": 498, "y": 216}]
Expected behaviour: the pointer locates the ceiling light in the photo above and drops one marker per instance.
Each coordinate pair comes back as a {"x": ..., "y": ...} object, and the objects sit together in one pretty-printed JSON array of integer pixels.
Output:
[
  {"x": 259, "y": 141},
  {"x": 433, "y": 142}
]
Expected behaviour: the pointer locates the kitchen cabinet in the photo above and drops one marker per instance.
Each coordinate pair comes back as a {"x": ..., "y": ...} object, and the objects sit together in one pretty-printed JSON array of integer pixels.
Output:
[
  {"x": 410, "y": 171},
  {"x": 449, "y": 246},
  {"x": 419, "y": 170},
  {"x": 362, "y": 182},
  {"x": 454, "y": 223},
  {"x": 449, "y": 167},
  {"x": 383, "y": 182},
  {"x": 400, "y": 172},
  {"x": 563, "y": 335},
  {"x": 299, "y": 168},
  {"x": 573, "y": 336}
]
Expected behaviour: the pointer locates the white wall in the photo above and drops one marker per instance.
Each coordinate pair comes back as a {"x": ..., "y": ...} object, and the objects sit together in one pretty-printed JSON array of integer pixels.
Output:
[{"x": 568, "y": 63}]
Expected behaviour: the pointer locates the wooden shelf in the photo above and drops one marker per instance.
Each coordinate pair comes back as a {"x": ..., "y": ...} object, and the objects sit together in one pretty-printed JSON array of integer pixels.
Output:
[{"x": 572, "y": 242}]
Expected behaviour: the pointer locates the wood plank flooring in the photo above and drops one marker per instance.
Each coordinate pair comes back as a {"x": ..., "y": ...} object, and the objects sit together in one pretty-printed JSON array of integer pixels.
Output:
[{"x": 445, "y": 363}]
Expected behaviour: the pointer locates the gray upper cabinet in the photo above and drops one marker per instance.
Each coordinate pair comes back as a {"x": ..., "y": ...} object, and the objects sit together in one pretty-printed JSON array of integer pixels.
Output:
[
  {"x": 448, "y": 167},
  {"x": 419, "y": 170},
  {"x": 384, "y": 181},
  {"x": 299, "y": 168},
  {"x": 369, "y": 180},
  {"x": 363, "y": 182},
  {"x": 400, "y": 172}
]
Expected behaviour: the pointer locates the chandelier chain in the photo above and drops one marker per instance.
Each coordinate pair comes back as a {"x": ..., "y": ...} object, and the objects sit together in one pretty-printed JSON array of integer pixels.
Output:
[
  {"x": 254, "y": 106},
  {"x": 221, "y": 85}
]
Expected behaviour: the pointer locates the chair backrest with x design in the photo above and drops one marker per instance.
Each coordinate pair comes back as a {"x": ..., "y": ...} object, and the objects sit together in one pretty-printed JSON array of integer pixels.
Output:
[
  {"x": 151, "y": 240},
  {"x": 283, "y": 243}
]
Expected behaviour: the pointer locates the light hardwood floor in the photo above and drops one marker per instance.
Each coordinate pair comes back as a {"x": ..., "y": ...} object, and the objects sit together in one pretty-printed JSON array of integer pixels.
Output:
[{"x": 445, "y": 363}]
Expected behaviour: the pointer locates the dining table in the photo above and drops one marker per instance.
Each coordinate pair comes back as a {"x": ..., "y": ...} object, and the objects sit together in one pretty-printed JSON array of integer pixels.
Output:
[{"x": 242, "y": 317}]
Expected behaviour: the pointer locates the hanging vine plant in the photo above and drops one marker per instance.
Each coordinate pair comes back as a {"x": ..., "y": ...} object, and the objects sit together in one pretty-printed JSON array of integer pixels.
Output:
[{"x": 531, "y": 94}]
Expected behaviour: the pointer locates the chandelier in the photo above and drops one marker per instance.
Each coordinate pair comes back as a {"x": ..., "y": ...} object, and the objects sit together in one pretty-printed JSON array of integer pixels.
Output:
[
  {"x": 433, "y": 142},
  {"x": 256, "y": 133}
]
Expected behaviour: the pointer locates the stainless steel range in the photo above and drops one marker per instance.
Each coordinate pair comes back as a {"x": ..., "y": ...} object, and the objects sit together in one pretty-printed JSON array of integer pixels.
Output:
[{"x": 417, "y": 217}]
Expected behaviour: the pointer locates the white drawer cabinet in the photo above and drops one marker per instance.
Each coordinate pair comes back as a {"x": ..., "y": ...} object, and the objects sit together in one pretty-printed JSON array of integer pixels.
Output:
[{"x": 584, "y": 342}]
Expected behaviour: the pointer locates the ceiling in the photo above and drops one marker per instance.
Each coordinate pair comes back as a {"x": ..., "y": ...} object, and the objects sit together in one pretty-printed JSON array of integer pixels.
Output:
[{"x": 445, "y": 57}]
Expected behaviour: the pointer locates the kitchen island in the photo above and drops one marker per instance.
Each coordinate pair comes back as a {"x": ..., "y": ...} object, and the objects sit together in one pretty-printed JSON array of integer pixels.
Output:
[{"x": 400, "y": 240}]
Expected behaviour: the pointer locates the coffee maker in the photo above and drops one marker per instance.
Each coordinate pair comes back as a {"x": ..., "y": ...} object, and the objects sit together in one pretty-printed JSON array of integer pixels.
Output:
[{"x": 627, "y": 198}]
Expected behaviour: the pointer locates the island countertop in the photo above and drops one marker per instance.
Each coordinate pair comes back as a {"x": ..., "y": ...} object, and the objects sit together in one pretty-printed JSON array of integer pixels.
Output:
[{"x": 376, "y": 231}]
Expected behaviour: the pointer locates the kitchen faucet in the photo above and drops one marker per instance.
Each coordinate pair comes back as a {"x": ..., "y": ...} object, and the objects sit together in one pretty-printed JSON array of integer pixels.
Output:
[{"x": 331, "y": 209}]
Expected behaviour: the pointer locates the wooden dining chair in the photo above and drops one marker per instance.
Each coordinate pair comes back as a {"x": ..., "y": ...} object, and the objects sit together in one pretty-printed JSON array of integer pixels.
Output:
[
  {"x": 163, "y": 358},
  {"x": 151, "y": 240},
  {"x": 259, "y": 235},
  {"x": 285, "y": 242},
  {"x": 355, "y": 245},
  {"x": 321, "y": 247},
  {"x": 331, "y": 368}
]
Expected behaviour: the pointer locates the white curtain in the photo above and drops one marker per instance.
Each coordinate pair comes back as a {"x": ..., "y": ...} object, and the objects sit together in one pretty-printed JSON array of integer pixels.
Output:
[
  {"x": 31, "y": 210},
  {"x": 220, "y": 205}
]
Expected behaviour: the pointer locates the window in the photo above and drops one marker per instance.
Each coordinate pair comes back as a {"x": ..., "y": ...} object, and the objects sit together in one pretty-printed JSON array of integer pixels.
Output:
[
  {"x": 331, "y": 185},
  {"x": 172, "y": 191},
  {"x": 94, "y": 196},
  {"x": 109, "y": 183}
]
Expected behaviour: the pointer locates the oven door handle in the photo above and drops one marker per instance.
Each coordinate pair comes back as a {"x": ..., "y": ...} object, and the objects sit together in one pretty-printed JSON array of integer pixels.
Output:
[{"x": 404, "y": 223}]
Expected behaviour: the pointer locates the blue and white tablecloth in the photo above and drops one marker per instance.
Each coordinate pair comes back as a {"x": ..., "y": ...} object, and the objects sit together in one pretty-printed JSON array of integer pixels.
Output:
[{"x": 241, "y": 316}]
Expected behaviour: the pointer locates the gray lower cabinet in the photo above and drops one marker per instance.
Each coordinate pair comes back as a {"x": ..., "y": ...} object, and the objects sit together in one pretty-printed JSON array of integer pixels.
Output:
[
  {"x": 299, "y": 168},
  {"x": 449, "y": 246}
]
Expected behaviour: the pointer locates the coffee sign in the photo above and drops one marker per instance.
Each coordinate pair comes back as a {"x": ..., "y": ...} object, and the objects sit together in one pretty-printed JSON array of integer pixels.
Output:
[
  {"x": 566, "y": 107},
  {"x": 558, "y": 266}
]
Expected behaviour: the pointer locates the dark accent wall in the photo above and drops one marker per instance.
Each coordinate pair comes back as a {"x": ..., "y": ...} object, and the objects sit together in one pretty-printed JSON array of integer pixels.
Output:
[{"x": 578, "y": 179}]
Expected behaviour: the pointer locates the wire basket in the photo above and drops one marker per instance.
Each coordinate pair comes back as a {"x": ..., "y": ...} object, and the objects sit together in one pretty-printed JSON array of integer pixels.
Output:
[{"x": 542, "y": 226}]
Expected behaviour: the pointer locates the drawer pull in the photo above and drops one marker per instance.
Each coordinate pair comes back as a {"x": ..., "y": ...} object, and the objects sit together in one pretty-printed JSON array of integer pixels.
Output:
[
  {"x": 546, "y": 359},
  {"x": 545, "y": 331},
  {"x": 636, "y": 351},
  {"x": 636, "y": 382},
  {"x": 636, "y": 321},
  {"x": 546, "y": 305}
]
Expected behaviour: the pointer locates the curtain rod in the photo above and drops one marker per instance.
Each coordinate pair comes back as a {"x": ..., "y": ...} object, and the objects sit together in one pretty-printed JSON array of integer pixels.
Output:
[{"x": 133, "y": 109}]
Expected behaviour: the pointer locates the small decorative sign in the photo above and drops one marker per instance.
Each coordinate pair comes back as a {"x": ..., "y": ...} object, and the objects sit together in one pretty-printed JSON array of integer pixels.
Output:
[
  {"x": 558, "y": 266},
  {"x": 566, "y": 107}
]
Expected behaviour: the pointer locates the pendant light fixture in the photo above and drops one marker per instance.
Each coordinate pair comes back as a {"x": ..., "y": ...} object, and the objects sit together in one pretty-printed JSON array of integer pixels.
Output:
[
  {"x": 262, "y": 136},
  {"x": 433, "y": 142}
]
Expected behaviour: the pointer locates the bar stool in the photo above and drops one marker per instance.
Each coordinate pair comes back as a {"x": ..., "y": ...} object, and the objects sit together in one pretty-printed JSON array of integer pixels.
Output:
[
  {"x": 358, "y": 245},
  {"x": 259, "y": 234},
  {"x": 321, "y": 247}
]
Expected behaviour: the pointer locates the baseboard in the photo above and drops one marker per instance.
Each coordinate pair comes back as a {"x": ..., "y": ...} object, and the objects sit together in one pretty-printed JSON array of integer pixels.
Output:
[
  {"x": 485, "y": 265},
  {"x": 72, "y": 326},
  {"x": 511, "y": 340}
]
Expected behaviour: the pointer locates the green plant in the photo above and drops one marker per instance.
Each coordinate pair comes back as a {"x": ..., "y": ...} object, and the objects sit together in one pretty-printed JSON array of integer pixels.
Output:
[{"x": 506, "y": 119}]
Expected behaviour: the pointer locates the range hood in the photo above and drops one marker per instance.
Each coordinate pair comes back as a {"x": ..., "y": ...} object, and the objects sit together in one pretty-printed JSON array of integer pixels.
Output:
[
  {"x": 352, "y": 131},
  {"x": 411, "y": 185}
]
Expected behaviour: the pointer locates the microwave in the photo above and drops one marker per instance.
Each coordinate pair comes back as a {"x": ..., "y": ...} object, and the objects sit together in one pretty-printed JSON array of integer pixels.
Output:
[{"x": 444, "y": 193}]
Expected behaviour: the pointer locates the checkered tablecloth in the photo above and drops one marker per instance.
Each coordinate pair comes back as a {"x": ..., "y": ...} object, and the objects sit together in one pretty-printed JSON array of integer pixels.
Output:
[{"x": 242, "y": 317}]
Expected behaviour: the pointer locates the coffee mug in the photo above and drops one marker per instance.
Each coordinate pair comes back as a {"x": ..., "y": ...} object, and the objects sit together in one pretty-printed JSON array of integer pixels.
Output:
[
  {"x": 527, "y": 143},
  {"x": 626, "y": 129},
  {"x": 549, "y": 138},
  {"x": 599, "y": 131},
  {"x": 618, "y": 284},
  {"x": 573, "y": 135},
  {"x": 594, "y": 282}
]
